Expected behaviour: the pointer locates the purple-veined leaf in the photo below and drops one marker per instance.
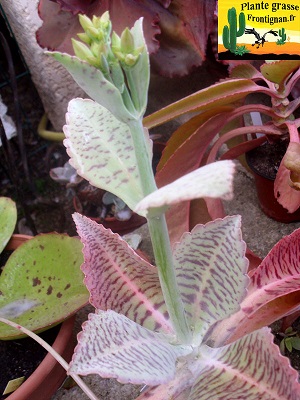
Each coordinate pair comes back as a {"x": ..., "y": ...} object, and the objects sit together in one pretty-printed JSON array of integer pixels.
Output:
[
  {"x": 211, "y": 268},
  {"x": 213, "y": 180},
  {"x": 251, "y": 368},
  {"x": 118, "y": 279},
  {"x": 113, "y": 346},
  {"x": 96, "y": 86},
  {"x": 8, "y": 220},
  {"x": 273, "y": 292},
  {"x": 102, "y": 150}
]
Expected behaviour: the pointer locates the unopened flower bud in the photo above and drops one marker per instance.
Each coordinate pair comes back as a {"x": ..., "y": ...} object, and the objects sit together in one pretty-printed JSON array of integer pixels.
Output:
[
  {"x": 127, "y": 42},
  {"x": 85, "y": 22},
  {"x": 81, "y": 50}
]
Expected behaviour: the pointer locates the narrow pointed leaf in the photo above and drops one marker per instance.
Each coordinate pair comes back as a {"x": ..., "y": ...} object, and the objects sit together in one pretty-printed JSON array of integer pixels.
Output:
[
  {"x": 211, "y": 271},
  {"x": 96, "y": 86},
  {"x": 41, "y": 283},
  {"x": 120, "y": 280},
  {"x": 213, "y": 180},
  {"x": 102, "y": 150},
  {"x": 273, "y": 291},
  {"x": 113, "y": 346},
  {"x": 8, "y": 220},
  {"x": 251, "y": 368}
]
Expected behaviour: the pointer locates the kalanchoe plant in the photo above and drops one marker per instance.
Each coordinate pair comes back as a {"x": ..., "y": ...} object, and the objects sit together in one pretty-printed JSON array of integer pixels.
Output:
[
  {"x": 220, "y": 108},
  {"x": 169, "y": 326}
]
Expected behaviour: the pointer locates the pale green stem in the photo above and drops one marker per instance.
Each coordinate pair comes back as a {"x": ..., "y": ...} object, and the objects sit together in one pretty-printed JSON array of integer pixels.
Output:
[
  {"x": 54, "y": 354},
  {"x": 160, "y": 241},
  {"x": 132, "y": 88}
]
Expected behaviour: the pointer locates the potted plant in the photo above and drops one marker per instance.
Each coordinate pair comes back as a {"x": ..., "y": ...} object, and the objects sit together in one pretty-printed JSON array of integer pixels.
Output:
[
  {"x": 192, "y": 326},
  {"x": 41, "y": 286},
  {"x": 219, "y": 110}
]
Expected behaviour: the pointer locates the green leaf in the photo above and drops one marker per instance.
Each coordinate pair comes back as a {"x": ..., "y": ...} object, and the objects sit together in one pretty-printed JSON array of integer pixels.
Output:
[
  {"x": 102, "y": 150},
  {"x": 8, "y": 219},
  {"x": 295, "y": 342},
  {"x": 112, "y": 345},
  {"x": 278, "y": 71},
  {"x": 41, "y": 283},
  {"x": 96, "y": 86},
  {"x": 288, "y": 344}
]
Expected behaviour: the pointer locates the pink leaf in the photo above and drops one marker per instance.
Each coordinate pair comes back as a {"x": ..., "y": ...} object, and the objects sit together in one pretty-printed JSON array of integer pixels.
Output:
[
  {"x": 113, "y": 346},
  {"x": 287, "y": 196},
  {"x": 249, "y": 369},
  {"x": 267, "y": 300},
  {"x": 211, "y": 271},
  {"x": 118, "y": 279}
]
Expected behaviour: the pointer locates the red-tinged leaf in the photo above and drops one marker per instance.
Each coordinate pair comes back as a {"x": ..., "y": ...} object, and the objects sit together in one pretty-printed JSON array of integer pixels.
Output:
[
  {"x": 252, "y": 368},
  {"x": 102, "y": 150},
  {"x": 185, "y": 159},
  {"x": 220, "y": 94},
  {"x": 211, "y": 271},
  {"x": 118, "y": 279},
  {"x": 287, "y": 196},
  {"x": 113, "y": 346},
  {"x": 247, "y": 71},
  {"x": 278, "y": 71},
  {"x": 185, "y": 27},
  {"x": 272, "y": 293},
  {"x": 60, "y": 24},
  {"x": 186, "y": 130}
]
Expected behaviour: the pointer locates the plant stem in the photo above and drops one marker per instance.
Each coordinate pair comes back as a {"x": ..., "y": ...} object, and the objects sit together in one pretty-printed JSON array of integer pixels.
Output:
[
  {"x": 166, "y": 271},
  {"x": 54, "y": 354},
  {"x": 160, "y": 240}
]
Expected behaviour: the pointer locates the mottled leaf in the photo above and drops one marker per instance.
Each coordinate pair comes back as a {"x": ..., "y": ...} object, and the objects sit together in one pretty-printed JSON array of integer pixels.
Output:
[
  {"x": 102, "y": 150},
  {"x": 266, "y": 300},
  {"x": 120, "y": 280},
  {"x": 249, "y": 369},
  {"x": 113, "y": 346},
  {"x": 96, "y": 86},
  {"x": 211, "y": 271},
  {"x": 8, "y": 219},
  {"x": 213, "y": 180},
  {"x": 41, "y": 283}
]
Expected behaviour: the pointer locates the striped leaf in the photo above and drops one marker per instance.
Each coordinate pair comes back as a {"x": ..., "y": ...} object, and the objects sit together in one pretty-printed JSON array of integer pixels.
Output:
[
  {"x": 272, "y": 293},
  {"x": 113, "y": 346},
  {"x": 249, "y": 369},
  {"x": 102, "y": 150},
  {"x": 211, "y": 272},
  {"x": 213, "y": 180},
  {"x": 118, "y": 279},
  {"x": 95, "y": 85}
]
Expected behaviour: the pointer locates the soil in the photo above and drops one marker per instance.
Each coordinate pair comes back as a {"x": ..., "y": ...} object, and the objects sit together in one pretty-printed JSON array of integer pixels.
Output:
[
  {"x": 19, "y": 358},
  {"x": 265, "y": 159}
]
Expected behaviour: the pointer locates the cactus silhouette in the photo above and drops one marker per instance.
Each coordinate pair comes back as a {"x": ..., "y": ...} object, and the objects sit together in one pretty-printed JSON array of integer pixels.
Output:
[
  {"x": 282, "y": 34},
  {"x": 231, "y": 33}
]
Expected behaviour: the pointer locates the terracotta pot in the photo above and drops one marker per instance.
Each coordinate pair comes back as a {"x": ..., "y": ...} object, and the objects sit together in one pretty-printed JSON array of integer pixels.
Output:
[
  {"x": 49, "y": 375},
  {"x": 114, "y": 224},
  {"x": 267, "y": 200}
]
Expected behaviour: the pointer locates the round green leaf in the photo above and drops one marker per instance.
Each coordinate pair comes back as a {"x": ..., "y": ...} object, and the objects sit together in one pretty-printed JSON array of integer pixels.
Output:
[{"x": 42, "y": 283}]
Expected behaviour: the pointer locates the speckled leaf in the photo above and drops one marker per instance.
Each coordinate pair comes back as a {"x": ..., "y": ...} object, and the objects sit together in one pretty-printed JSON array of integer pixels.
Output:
[
  {"x": 41, "y": 283},
  {"x": 113, "y": 346},
  {"x": 96, "y": 86},
  {"x": 102, "y": 150},
  {"x": 267, "y": 299},
  {"x": 211, "y": 271},
  {"x": 213, "y": 180},
  {"x": 249, "y": 369},
  {"x": 120, "y": 280},
  {"x": 8, "y": 219}
]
